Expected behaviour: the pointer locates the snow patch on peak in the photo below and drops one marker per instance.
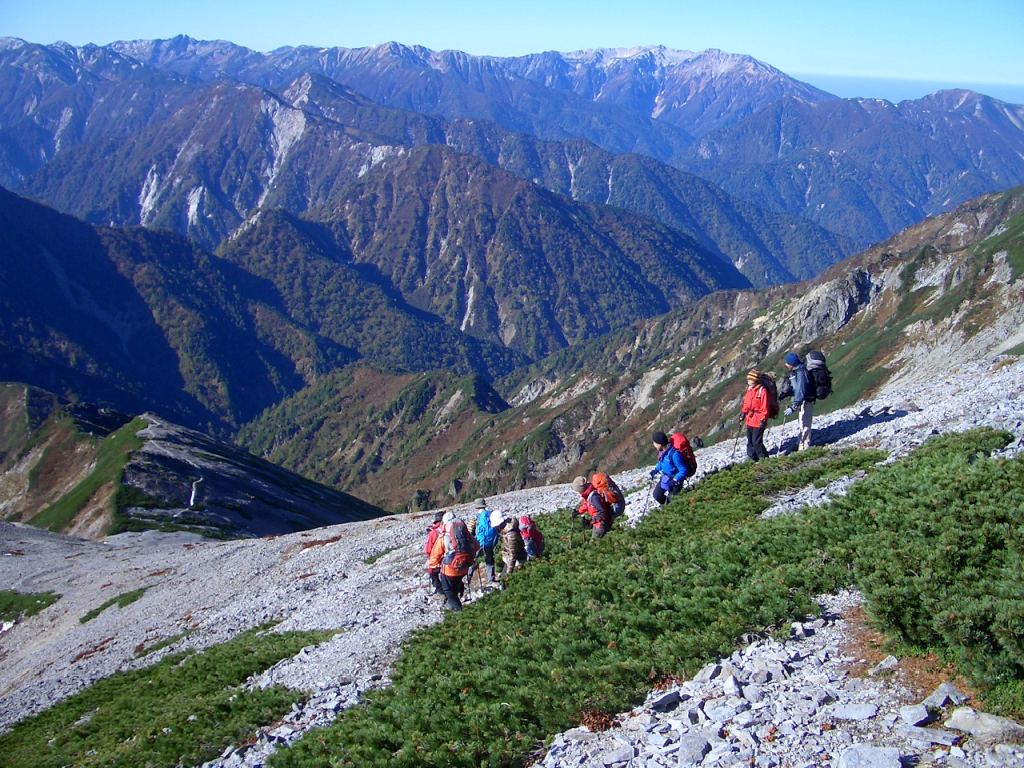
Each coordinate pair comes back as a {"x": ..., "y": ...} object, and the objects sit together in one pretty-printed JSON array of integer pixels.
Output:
[{"x": 663, "y": 55}]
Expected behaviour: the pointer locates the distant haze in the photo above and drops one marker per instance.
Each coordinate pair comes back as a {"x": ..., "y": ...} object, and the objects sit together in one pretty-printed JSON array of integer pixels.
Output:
[{"x": 897, "y": 90}]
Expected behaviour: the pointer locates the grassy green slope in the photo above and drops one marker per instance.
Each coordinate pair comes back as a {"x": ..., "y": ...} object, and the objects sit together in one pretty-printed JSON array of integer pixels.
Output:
[{"x": 592, "y": 628}]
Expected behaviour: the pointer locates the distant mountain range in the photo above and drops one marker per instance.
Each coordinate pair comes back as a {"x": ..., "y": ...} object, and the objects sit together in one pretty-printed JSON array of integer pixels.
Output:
[
  {"x": 862, "y": 168},
  {"x": 236, "y": 239},
  {"x": 458, "y": 270},
  {"x": 948, "y": 289}
]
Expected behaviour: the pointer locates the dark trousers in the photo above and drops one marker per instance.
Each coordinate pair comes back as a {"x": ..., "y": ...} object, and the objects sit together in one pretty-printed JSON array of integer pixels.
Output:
[
  {"x": 452, "y": 587},
  {"x": 600, "y": 526},
  {"x": 755, "y": 443},
  {"x": 488, "y": 561},
  {"x": 662, "y": 496},
  {"x": 435, "y": 578}
]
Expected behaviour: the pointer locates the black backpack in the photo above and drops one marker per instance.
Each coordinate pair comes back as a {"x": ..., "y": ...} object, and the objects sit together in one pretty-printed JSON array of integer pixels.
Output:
[{"x": 820, "y": 374}]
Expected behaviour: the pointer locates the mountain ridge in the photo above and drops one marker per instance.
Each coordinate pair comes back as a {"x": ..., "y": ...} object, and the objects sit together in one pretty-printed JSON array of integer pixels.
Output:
[{"x": 947, "y": 289}]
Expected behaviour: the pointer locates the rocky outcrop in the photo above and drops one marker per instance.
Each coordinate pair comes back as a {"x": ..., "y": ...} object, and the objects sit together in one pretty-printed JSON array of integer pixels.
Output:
[
  {"x": 794, "y": 703},
  {"x": 194, "y": 481}
]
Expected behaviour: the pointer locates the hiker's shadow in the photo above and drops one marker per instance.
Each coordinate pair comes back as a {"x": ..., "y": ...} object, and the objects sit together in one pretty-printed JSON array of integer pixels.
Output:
[{"x": 838, "y": 430}]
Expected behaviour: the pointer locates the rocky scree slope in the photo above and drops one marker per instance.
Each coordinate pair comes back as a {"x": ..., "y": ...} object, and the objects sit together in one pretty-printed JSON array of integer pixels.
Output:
[{"x": 367, "y": 577}]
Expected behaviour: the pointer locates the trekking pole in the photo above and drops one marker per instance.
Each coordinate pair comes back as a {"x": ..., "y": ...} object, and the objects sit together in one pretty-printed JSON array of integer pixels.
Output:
[
  {"x": 732, "y": 458},
  {"x": 647, "y": 498},
  {"x": 572, "y": 528}
]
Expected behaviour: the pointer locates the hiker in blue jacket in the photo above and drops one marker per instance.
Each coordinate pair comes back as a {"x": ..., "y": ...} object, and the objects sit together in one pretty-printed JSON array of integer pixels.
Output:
[
  {"x": 487, "y": 537},
  {"x": 671, "y": 467},
  {"x": 801, "y": 388}
]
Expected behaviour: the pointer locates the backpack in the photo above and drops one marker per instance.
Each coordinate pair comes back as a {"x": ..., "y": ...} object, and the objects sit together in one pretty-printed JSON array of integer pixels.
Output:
[
  {"x": 681, "y": 444},
  {"x": 459, "y": 552},
  {"x": 773, "y": 395},
  {"x": 820, "y": 374},
  {"x": 607, "y": 487},
  {"x": 531, "y": 533},
  {"x": 485, "y": 533}
]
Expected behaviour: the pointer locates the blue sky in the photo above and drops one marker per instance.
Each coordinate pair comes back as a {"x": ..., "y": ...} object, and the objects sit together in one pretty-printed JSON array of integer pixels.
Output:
[{"x": 889, "y": 49}]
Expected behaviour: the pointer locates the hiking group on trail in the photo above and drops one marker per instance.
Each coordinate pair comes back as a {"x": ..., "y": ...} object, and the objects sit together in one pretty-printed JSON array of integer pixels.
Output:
[{"x": 453, "y": 546}]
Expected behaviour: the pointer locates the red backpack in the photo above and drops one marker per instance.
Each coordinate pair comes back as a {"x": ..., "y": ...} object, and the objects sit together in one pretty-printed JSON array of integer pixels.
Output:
[
  {"x": 773, "y": 395},
  {"x": 605, "y": 486},
  {"x": 681, "y": 444}
]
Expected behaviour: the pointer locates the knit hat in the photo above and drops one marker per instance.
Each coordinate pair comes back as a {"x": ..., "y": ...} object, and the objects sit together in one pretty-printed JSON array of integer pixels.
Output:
[
  {"x": 753, "y": 375},
  {"x": 439, "y": 516},
  {"x": 793, "y": 359},
  {"x": 448, "y": 518},
  {"x": 497, "y": 518},
  {"x": 480, "y": 503},
  {"x": 579, "y": 484},
  {"x": 660, "y": 438}
]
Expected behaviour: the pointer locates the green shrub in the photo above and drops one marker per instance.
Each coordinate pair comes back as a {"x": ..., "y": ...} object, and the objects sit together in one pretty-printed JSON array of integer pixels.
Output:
[
  {"x": 375, "y": 557},
  {"x": 14, "y": 605},
  {"x": 122, "y": 600},
  {"x": 184, "y": 710},
  {"x": 591, "y": 627},
  {"x": 937, "y": 547}
]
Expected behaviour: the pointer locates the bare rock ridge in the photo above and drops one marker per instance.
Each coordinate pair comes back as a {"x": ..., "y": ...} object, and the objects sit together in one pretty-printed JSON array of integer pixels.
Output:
[{"x": 228, "y": 490}]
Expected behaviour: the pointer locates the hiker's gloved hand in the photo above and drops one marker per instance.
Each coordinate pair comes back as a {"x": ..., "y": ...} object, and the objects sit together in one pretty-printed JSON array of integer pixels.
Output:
[
  {"x": 653, "y": 473},
  {"x": 788, "y": 412}
]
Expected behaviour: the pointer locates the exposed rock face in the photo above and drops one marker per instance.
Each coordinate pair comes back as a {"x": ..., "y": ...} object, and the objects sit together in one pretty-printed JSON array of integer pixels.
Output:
[{"x": 209, "y": 484}]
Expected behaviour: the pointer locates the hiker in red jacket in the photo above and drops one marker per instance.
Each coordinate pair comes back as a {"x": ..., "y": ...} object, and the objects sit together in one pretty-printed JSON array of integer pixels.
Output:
[
  {"x": 755, "y": 416},
  {"x": 432, "y": 533}
]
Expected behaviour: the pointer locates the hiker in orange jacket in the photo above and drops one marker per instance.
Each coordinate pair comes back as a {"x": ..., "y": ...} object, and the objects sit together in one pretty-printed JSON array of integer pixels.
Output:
[
  {"x": 755, "y": 416},
  {"x": 454, "y": 552},
  {"x": 594, "y": 507}
]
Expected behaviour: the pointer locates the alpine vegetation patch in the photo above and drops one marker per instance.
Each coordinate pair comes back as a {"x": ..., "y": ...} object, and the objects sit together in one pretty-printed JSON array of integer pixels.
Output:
[
  {"x": 184, "y": 710},
  {"x": 589, "y": 630}
]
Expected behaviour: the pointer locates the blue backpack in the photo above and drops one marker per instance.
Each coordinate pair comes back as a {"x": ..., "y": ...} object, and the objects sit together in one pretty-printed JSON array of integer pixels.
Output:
[{"x": 485, "y": 534}]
